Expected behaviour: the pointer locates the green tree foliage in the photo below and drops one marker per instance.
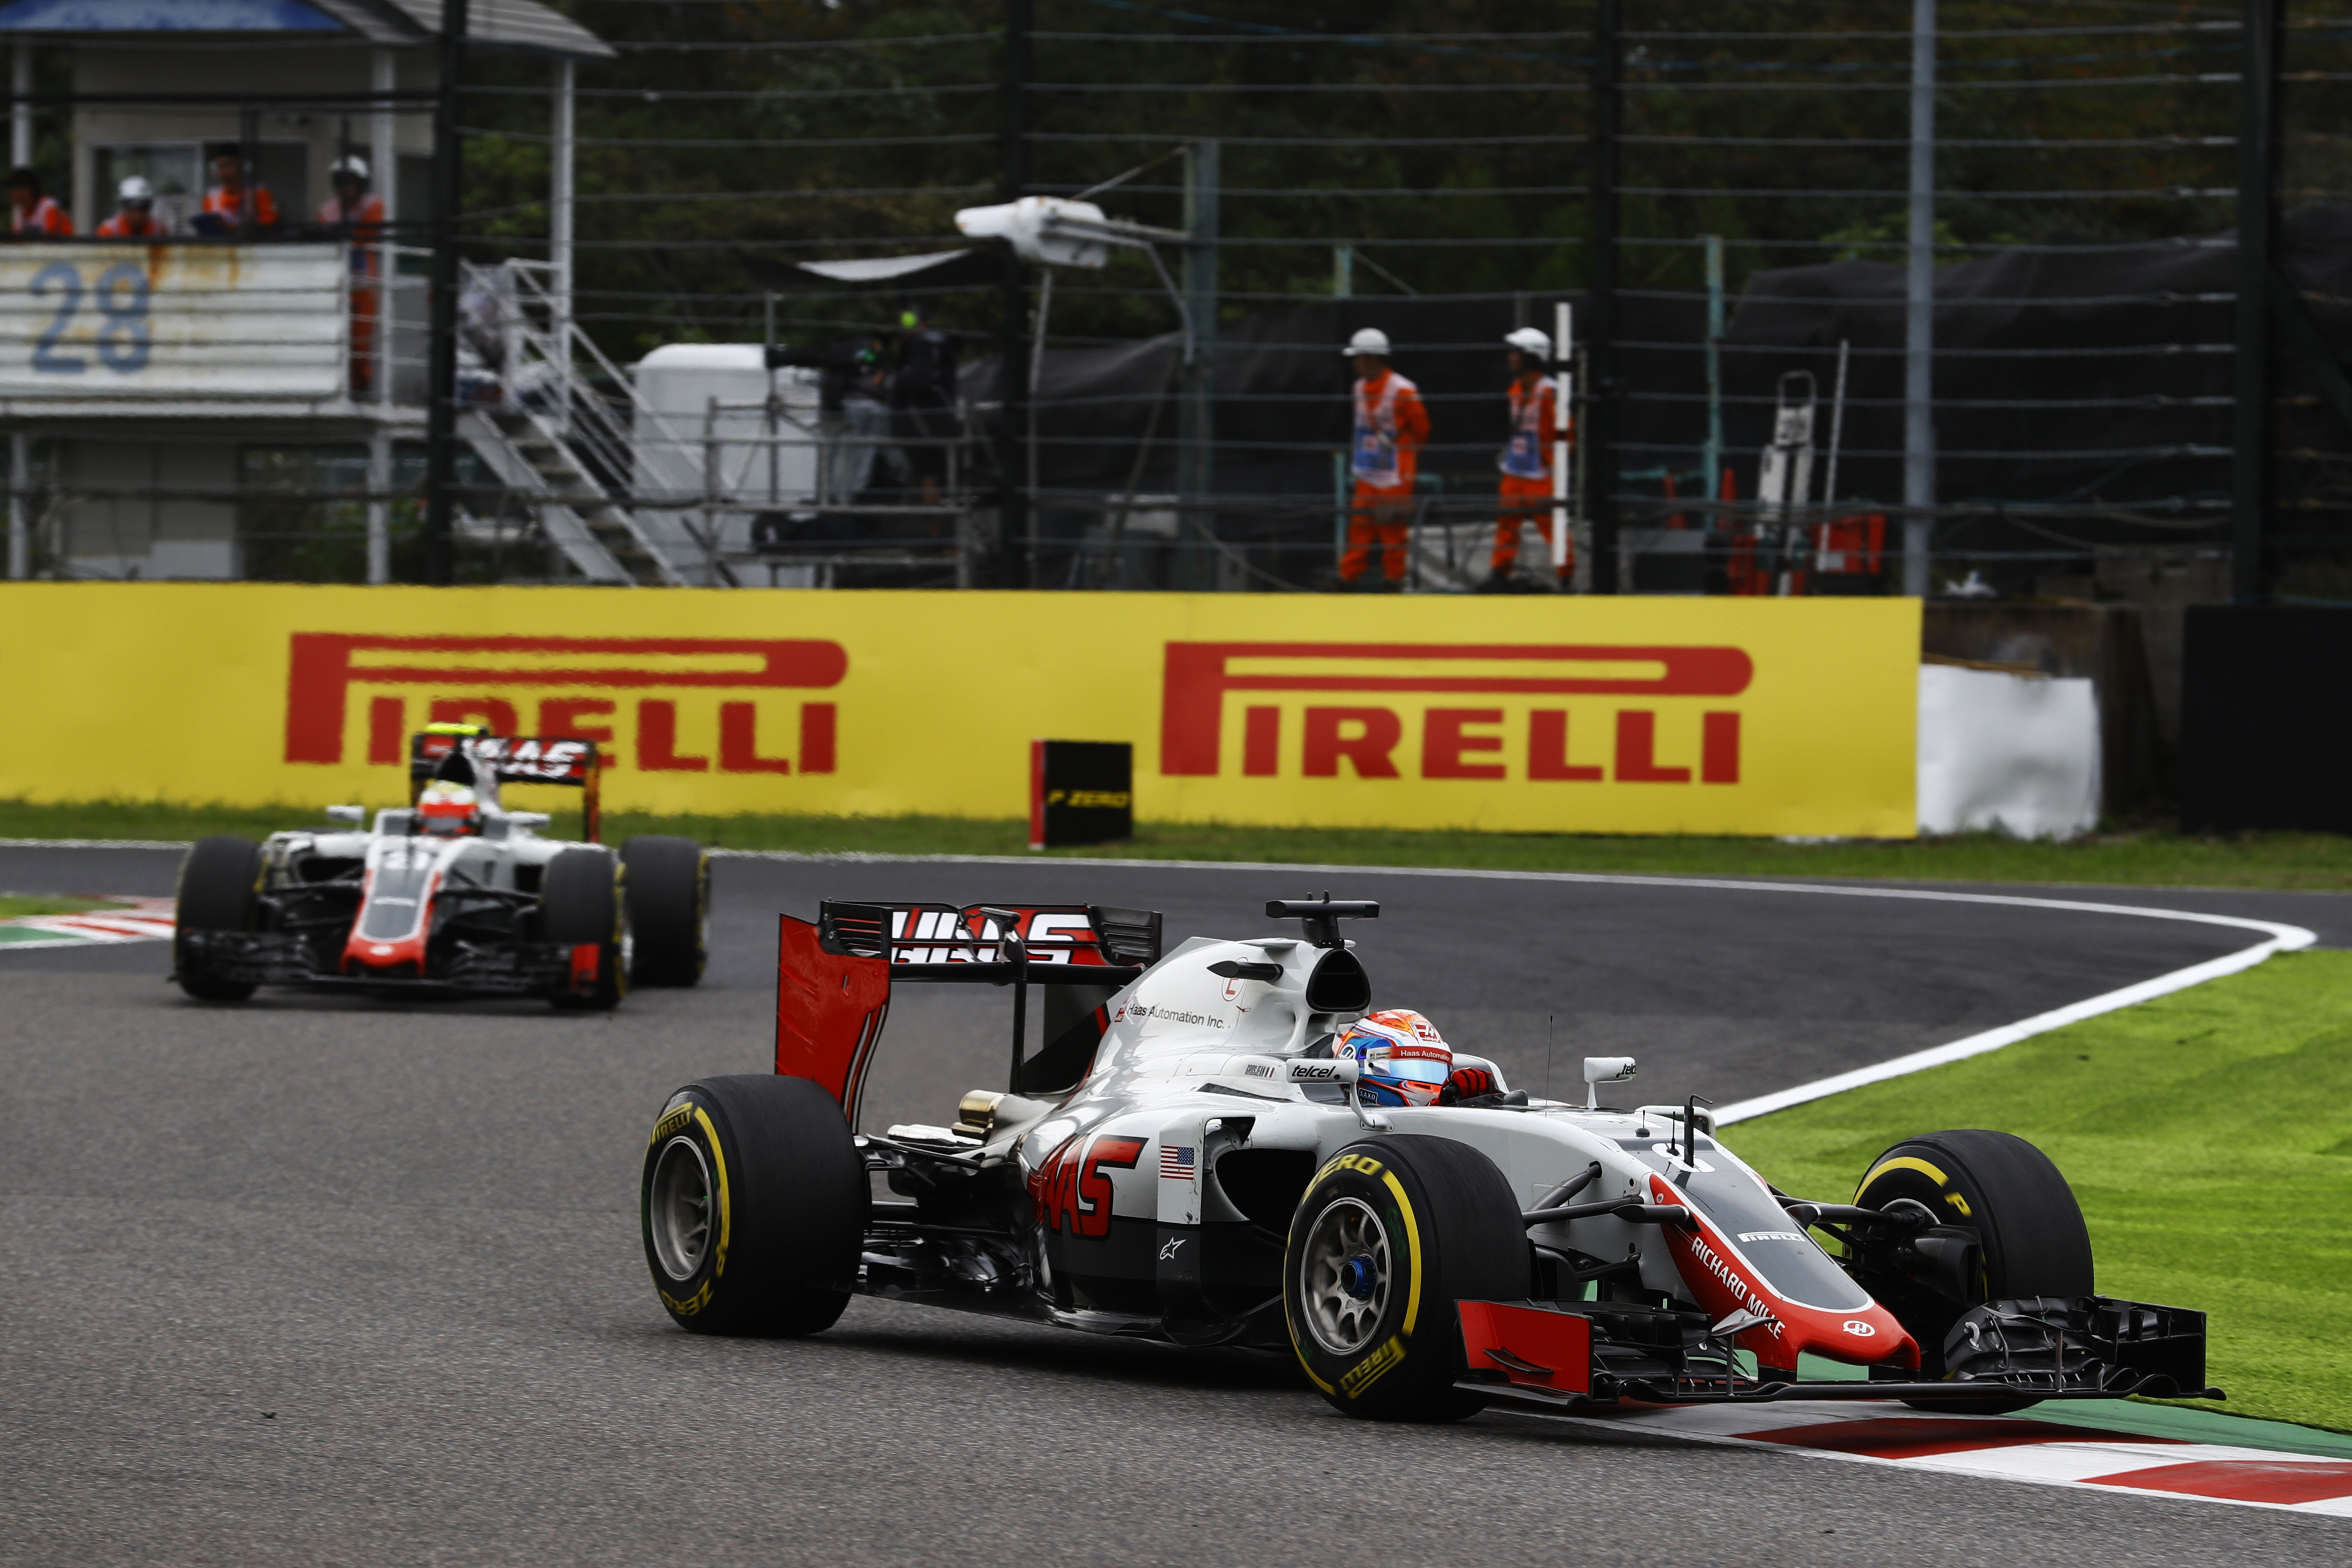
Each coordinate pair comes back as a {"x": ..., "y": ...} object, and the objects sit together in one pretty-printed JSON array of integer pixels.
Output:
[{"x": 798, "y": 130}]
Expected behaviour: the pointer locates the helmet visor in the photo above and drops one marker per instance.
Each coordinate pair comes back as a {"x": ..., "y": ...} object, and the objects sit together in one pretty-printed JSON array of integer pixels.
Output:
[{"x": 1412, "y": 1063}]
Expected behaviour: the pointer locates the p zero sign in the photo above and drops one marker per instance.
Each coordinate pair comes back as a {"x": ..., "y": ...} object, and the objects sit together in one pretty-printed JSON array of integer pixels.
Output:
[{"x": 1537, "y": 715}]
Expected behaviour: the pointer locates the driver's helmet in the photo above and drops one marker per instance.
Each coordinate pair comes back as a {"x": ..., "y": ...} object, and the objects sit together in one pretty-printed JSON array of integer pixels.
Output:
[
  {"x": 1405, "y": 1061},
  {"x": 446, "y": 809}
]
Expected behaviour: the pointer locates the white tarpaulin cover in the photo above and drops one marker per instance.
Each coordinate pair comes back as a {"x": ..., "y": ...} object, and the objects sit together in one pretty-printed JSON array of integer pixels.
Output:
[
  {"x": 2007, "y": 752},
  {"x": 94, "y": 323}
]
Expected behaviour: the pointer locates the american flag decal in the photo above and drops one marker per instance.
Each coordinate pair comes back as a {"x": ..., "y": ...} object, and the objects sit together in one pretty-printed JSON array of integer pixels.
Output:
[{"x": 1177, "y": 1162}]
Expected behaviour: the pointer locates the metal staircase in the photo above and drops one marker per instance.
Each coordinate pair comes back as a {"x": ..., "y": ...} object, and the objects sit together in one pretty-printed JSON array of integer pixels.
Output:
[
  {"x": 556, "y": 438},
  {"x": 596, "y": 533}
]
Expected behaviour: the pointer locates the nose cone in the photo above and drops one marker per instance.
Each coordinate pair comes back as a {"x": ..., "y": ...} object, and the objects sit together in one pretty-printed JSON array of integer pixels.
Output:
[{"x": 1721, "y": 1281}]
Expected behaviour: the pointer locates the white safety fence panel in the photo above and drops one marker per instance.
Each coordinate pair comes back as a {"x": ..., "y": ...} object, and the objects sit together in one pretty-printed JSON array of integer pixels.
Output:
[
  {"x": 98, "y": 322},
  {"x": 2005, "y": 752}
]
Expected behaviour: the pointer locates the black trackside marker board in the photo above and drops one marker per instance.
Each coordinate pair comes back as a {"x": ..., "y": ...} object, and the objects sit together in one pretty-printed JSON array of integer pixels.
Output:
[{"x": 1080, "y": 792}]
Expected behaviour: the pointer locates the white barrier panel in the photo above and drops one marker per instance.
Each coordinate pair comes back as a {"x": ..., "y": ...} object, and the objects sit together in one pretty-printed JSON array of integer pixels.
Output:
[
  {"x": 2007, "y": 752},
  {"x": 98, "y": 322}
]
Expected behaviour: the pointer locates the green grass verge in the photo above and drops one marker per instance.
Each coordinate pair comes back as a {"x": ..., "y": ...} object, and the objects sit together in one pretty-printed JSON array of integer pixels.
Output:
[
  {"x": 12, "y": 904},
  {"x": 2147, "y": 856},
  {"x": 2208, "y": 1137}
]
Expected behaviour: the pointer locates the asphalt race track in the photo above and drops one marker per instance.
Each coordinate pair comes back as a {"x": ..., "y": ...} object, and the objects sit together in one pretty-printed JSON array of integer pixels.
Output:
[{"x": 317, "y": 1280}]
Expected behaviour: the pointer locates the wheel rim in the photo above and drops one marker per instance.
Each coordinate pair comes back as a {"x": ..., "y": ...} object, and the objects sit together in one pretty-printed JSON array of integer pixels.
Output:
[
  {"x": 679, "y": 1212},
  {"x": 1344, "y": 1275}
]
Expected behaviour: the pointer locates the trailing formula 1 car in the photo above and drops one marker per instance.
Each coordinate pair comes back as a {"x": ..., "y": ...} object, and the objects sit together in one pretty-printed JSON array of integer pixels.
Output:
[
  {"x": 1225, "y": 1145},
  {"x": 454, "y": 895}
]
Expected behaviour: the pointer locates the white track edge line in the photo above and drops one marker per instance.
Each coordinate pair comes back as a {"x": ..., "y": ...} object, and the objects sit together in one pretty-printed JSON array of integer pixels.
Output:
[
  {"x": 2283, "y": 938},
  {"x": 2290, "y": 938},
  {"x": 2280, "y": 938}
]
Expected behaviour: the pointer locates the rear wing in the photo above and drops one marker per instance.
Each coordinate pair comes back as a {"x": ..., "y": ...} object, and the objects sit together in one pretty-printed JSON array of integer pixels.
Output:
[
  {"x": 834, "y": 978},
  {"x": 942, "y": 942},
  {"x": 516, "y": 759}
]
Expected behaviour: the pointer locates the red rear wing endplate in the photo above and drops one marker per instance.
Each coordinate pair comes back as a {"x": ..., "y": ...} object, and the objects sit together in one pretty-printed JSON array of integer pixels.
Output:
[{"x": 830, "y": 1009}]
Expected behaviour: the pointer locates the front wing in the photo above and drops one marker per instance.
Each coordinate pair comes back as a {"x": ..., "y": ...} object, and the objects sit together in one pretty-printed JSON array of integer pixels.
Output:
[
  {"x": 506, "y": 968},
  {"x": 1570, "y": 1355}
]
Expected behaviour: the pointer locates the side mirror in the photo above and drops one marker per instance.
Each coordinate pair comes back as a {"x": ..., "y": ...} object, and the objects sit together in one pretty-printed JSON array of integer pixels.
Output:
[
  {"x": 351, "y": 814},
  {"x": 1599, "y": 1069},
  {"x": 528, "y": 819}
]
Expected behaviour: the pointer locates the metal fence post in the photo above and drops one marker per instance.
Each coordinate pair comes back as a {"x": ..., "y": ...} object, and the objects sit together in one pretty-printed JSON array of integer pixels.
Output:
[
  {"x": 441, "y": 388},
  {"x": 1014, "y": 501},
  {"x": 1599, "y": 433},
  {"x": 2252, "y": 421},
  {"x": 1196, "y": 413},
  {"x": 1920, "y": 312}
]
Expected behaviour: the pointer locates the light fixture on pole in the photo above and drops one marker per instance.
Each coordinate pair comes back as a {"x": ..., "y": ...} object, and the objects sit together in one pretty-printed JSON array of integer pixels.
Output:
[{"x": 1060, "y": 231}]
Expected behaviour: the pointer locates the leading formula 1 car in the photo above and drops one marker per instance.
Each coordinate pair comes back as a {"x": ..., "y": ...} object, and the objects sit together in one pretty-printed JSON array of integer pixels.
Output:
[
  {"x": 455, "y": 896},
  {"x": 1194, "y": 1157}
]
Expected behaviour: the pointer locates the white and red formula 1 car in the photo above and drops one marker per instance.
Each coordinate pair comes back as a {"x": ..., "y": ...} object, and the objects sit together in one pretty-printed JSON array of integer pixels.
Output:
[
  {"x": 454, "y": 895},
  {"x": 1190, "y": 1159}
]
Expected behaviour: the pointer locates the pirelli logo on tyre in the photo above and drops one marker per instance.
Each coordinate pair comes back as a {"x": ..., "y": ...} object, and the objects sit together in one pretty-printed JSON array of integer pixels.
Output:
[{"x": 1367, "y": 1372}]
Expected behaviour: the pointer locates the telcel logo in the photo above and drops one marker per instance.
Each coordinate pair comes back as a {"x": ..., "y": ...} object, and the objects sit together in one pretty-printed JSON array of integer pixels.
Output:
[{"x": 1859, "y": 1328}]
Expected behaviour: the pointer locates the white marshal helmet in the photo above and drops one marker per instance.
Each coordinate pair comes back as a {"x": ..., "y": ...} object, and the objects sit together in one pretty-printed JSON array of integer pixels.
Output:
[
  {"x": 350, "y": 163},
  {"x": 136, "y": 188},
  {"x": 1369, "y": 341},
  {"x": 1529, "y": 341}
]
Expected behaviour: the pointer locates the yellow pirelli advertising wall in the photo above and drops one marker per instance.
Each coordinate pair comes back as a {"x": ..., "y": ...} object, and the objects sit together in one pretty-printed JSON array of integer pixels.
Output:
[{"x": 1539, "y": 714}]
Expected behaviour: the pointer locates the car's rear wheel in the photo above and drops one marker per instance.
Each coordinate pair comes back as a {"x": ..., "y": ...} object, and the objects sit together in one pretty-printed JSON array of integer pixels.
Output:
[
  {"x": 1392, "y": 1233},
  {"x": 669, "y": 909},
  {"x": 580, "y": 904},
  {"x": 220, "y": 890},
  {"x": 2029, "y": 1227},
  {"x": 754, "y": 1202}
]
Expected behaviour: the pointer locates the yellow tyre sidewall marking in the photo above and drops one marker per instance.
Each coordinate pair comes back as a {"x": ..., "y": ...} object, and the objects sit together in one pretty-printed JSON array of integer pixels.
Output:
[
  {"x": 1903, "y": 1163},
  {"x": 675, "y": 1123},
  {"x": 719, "y": 1168},
  {"x": 1413, "y": 1295},
  {"x": 1389, "y": 1352}
]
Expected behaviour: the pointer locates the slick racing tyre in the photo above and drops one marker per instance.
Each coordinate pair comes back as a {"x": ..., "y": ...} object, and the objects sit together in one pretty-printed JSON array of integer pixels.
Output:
[
  {"x": 580, "y": 904},
  {"x": 754, "y": 1202},
  {"x": 1392, "y": 1233},
  {"x": 669, "y": 909},
  {"x": 2030, "y": 1226},
  {"x": 220, "y": 890}
]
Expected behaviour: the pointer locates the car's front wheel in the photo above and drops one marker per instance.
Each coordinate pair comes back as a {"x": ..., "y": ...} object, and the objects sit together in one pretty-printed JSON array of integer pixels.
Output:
[
  {"x": 1392, "y": 1233},
  {"x": 754, "y": 1202},
  {"x": 580, "y": 904},
  {"x": 669, "y": 909},
  {"x": 2029, "y": 1229},
  {"x": 220, "y": 890}
]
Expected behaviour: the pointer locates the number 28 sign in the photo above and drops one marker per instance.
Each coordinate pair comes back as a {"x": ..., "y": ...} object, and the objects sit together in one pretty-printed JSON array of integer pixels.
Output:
[{"x": 98, "y": 322}]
